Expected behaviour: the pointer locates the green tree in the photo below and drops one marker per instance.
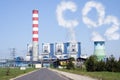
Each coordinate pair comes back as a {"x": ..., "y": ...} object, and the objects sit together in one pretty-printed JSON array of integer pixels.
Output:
[
  {"x": 57, "y": 63},
  {"x": 118, "y": 65},
  {"x": 72, "y": 59},
  {"x": 100, "y": 66},
  {"x": 111, "y": 64},
  {"x": 8, "y": 71},
  {"x": 91, "y": 63},
  {"x": 70, "y": 64}
]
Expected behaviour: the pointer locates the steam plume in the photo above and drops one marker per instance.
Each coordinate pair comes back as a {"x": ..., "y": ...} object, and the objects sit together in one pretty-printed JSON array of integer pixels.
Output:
[
  {"x": 97, "y": 37},
  {"x": 70, "y": 24}
]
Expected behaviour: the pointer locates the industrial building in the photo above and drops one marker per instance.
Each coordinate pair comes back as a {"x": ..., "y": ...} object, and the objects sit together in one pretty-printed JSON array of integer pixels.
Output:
[
  {"x": 52, "y": 51},
  {"x": 67, "y": 50},
  {"x": 61, "y": 50},
  {"x": 29, "y": 52},
  {"x": 56, "y": 51},
  {"x": 47, "y": 51},
  {"x": 74, "y": 49}
]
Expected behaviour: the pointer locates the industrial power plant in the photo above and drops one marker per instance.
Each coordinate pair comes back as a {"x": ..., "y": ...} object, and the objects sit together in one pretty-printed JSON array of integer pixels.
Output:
[
  {"x": 54, "y": 51},
  {"x": 58, "y": 50}
]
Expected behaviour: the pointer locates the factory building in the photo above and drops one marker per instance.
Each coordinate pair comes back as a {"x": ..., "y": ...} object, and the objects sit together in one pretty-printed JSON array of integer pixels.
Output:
[
  {"x": 50, "y": 50},
  {"x": 99, "y": 49},
  {"x": 29, "y": 52},
  {"x": 61, "y": 50},
  {"x": 47, "y": 50},
  {"x": 73, "y": 49}
]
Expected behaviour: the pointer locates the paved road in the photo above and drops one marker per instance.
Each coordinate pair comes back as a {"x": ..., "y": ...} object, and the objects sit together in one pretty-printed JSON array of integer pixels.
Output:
[{"x": 43, "y": 74}]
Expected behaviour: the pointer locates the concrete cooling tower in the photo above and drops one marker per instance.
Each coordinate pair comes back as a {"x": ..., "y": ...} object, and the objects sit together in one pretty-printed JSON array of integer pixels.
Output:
[{"x": 99, "y": 49}]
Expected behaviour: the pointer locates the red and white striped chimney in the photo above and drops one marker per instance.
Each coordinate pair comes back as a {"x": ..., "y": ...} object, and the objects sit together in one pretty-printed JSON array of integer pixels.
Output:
[
  {"x": 35, "y": 25},
  {"x": 35, "y": 34}
]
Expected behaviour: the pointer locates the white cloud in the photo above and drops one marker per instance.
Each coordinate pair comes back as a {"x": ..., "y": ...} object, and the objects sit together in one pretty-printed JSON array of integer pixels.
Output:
[
  {"x": 70, "y": 24},
  {"x": 111, "y": 33},
  {"x": 100, "y": 10},
  {"x": 63, "y": 6},
  {"x": 97, "y": 37}
]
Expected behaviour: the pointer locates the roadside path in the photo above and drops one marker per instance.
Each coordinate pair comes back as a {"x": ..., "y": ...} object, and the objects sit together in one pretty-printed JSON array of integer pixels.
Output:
[{"x": 73, "y": 76}]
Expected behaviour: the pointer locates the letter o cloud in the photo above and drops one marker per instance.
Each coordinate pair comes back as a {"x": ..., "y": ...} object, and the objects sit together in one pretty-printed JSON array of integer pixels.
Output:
[{"x": 100, "y": 10}]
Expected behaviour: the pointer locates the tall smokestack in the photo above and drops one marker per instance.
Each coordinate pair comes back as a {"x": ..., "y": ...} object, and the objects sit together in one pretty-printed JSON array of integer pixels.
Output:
[
  {"x": 99, "y": 49},
  {"x": 35, "y": 35}
]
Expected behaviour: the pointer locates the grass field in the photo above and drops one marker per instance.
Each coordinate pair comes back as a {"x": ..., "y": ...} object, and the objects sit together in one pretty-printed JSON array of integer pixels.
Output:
[
  {"x": 98, "y": 75},
  {"x": 6, "y": 74}
]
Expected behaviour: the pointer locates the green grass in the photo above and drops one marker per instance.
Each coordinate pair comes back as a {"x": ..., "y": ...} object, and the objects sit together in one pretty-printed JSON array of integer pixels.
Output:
[
  {"x": 98, "y": 75},
  {"x": 13, "y": 72}
]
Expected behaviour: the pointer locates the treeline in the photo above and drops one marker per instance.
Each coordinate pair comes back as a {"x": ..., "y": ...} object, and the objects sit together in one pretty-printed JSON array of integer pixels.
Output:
[{"x": 110, "y": 64}]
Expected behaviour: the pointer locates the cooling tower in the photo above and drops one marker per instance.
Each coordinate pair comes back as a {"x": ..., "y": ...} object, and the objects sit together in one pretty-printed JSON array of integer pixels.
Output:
[{"x": 99, "y": 49}]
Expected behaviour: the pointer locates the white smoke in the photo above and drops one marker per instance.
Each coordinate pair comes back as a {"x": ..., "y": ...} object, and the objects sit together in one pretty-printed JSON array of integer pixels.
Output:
[
  {"x": 72, "y": 35},
  {"x": 97, "y": 37},
  {"x": 100, "y": 10},
  {"x": 70, "y": 24},
  {"x": 111, "y": 33}
]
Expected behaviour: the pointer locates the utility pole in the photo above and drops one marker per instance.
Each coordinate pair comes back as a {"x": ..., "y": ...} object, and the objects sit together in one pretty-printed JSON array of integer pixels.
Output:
[{"x": 13, "y": 52}]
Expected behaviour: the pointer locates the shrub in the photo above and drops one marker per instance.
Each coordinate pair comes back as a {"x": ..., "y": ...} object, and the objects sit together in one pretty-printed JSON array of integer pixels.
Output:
[
  {"x": 70, "y": 64},
  {"x": 118, "y": 65},
  {"x": 91, "y": 63},
  {"x": 111, "y": 64},
  {"x": 100, "y": 66}
]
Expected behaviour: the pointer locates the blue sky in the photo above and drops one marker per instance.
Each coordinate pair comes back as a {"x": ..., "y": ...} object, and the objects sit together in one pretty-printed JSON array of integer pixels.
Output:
[{"x": 16, "y": 25}]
